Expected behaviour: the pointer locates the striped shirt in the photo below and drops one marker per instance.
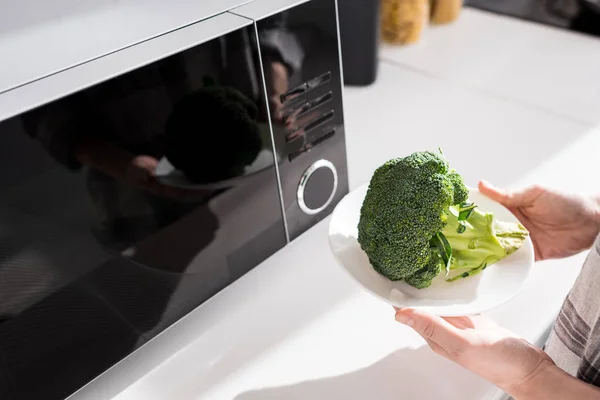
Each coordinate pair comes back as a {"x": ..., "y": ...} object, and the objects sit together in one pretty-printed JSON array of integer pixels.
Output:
[{"x": 574, "y": 343}]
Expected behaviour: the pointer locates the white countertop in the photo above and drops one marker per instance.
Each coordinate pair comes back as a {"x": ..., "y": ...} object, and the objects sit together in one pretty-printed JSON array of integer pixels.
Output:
[{"x": 508, "y": 101}]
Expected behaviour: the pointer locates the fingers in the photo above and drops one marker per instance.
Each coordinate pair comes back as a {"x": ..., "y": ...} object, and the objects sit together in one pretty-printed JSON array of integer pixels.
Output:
[
  {"x": 502, "y": 196},
  {"x": 472, "y": 322},
  {"x": 434, "y": 329},
  {"x": 461, "y": 322},
  {"x": 512, "y": 198},
  {"x": 438, "y": 349}
]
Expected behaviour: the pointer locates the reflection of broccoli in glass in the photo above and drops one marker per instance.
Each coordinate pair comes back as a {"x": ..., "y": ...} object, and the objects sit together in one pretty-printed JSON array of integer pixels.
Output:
[
  {"x": 415, "y": 222},
  {"x": 212, "y": 134}
]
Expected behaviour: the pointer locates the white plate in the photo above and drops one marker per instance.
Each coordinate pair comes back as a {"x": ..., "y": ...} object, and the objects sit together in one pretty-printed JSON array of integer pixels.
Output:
[{"x": 493, "y": 287}]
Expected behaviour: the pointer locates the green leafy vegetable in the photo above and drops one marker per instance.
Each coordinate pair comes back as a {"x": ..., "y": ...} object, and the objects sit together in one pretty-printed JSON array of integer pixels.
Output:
[
  {"x": 444, "y": 248},
  {"x": 464, "y": 213},
  {"x": 416, "y": 219}
]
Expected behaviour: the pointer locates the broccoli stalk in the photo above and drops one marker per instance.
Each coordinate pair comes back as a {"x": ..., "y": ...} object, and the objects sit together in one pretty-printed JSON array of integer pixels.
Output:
[{"x": 479, "y": 240}]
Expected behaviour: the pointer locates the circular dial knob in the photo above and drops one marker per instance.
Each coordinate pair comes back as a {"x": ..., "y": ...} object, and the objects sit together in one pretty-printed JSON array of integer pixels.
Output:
[{"x": 317, "y": 187}]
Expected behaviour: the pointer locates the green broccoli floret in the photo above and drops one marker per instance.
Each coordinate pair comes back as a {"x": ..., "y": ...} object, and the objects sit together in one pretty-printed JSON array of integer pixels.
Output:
[
  {"x": 405, "y": 206},
  {"x": 415, "y": 222},
  {"x": 423, "y": 277},
  {"x": 461, "y": 192}
]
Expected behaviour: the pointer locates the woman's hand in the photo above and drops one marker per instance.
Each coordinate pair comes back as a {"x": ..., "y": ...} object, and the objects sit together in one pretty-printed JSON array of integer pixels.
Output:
[
  {"x": 277, "y": 79},
  {"x": 560, "y": 224},
  {"x": 497, "y": 355},
  {"x": 481, "y": 346}
]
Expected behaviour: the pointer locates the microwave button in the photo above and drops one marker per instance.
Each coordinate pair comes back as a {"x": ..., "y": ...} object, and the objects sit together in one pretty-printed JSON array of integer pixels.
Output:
[
  {"x": 319, "y": 80},
  {"x": 306, "y": 86},
  {"x": 317, "y": 187},
  {"x": 328, "y": 116},
  {"x": 304, "y": 108},
  {"x": 296, "y": 154},
  {"x": 295, "y": 92},
  {"x": 322, "y": 137},
  {"x": 296, "y": 135},
  {"x": 310, "y": 127}
]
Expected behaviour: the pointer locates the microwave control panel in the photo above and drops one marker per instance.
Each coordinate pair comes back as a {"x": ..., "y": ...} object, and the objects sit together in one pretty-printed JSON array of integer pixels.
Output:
[{"x": 300, "y": 56}]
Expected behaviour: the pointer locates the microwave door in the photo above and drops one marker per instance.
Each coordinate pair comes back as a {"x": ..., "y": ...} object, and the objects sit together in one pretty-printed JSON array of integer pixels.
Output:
[{"x": 159, "y": 159}]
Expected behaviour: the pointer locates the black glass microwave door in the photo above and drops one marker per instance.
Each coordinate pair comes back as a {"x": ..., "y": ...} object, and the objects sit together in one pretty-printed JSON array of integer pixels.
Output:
[{"x": 125, "y": 206}]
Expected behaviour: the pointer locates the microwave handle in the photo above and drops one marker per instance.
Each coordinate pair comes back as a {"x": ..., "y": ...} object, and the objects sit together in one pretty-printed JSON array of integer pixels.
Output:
[{"x": 37, "y": 93}]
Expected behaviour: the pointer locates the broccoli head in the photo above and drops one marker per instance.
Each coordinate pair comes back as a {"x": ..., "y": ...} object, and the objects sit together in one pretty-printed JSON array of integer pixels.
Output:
[
  {"x": 405, "y": 206},
  {"x": 415, "y": 221}
]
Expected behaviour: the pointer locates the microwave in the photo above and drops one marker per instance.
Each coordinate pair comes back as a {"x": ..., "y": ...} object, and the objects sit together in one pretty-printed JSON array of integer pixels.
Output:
[{"x": 151, "y": 154}]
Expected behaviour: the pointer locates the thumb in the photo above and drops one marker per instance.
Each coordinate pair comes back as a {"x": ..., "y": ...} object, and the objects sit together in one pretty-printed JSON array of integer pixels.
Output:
[
  {"x": 433, "y": 328},
  {"x": 505, "y": 197}
]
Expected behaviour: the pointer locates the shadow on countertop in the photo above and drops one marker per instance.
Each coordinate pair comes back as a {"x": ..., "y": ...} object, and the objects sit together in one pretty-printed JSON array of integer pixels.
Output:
[{"x": 400, "y": 375}]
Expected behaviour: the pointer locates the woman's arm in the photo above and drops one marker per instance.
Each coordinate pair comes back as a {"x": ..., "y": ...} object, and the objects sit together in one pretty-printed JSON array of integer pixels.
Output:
[
  {"x": 499, "y": 356},
  {"x": 106, "y": 156},
  {"x": 550, "y": 382},
  {"x": 597, "y": 200}
]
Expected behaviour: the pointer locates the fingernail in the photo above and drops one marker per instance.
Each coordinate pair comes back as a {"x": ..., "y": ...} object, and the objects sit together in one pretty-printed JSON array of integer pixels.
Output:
[{"x": 405, "y": 319}]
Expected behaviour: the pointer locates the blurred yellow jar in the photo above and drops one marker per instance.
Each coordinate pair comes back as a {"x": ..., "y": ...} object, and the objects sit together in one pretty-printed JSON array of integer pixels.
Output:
[
  {"x": 445, "y": 11},
  {"x": 403, "y": 21}
]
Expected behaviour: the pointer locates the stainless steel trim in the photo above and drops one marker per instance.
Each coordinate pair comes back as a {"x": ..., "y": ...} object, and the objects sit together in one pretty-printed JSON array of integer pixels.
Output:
[
  {"x": 342, "y": 84},
  {"x": 41, "y": 38},
  {"x": 259, "y": 9},
  {"x": 341, "y": 63},
  {"x": 304, "y": 180},
  {"x": 279, "y": 184},
  {"x": 69, "y": 81}
]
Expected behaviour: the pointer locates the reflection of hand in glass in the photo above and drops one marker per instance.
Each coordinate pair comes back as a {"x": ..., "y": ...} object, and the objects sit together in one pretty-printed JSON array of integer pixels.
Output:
[
  {"x": 277, "y": 79},
  {"x": 122, "y": 165},
  {"x": 140, "y": 170}
]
